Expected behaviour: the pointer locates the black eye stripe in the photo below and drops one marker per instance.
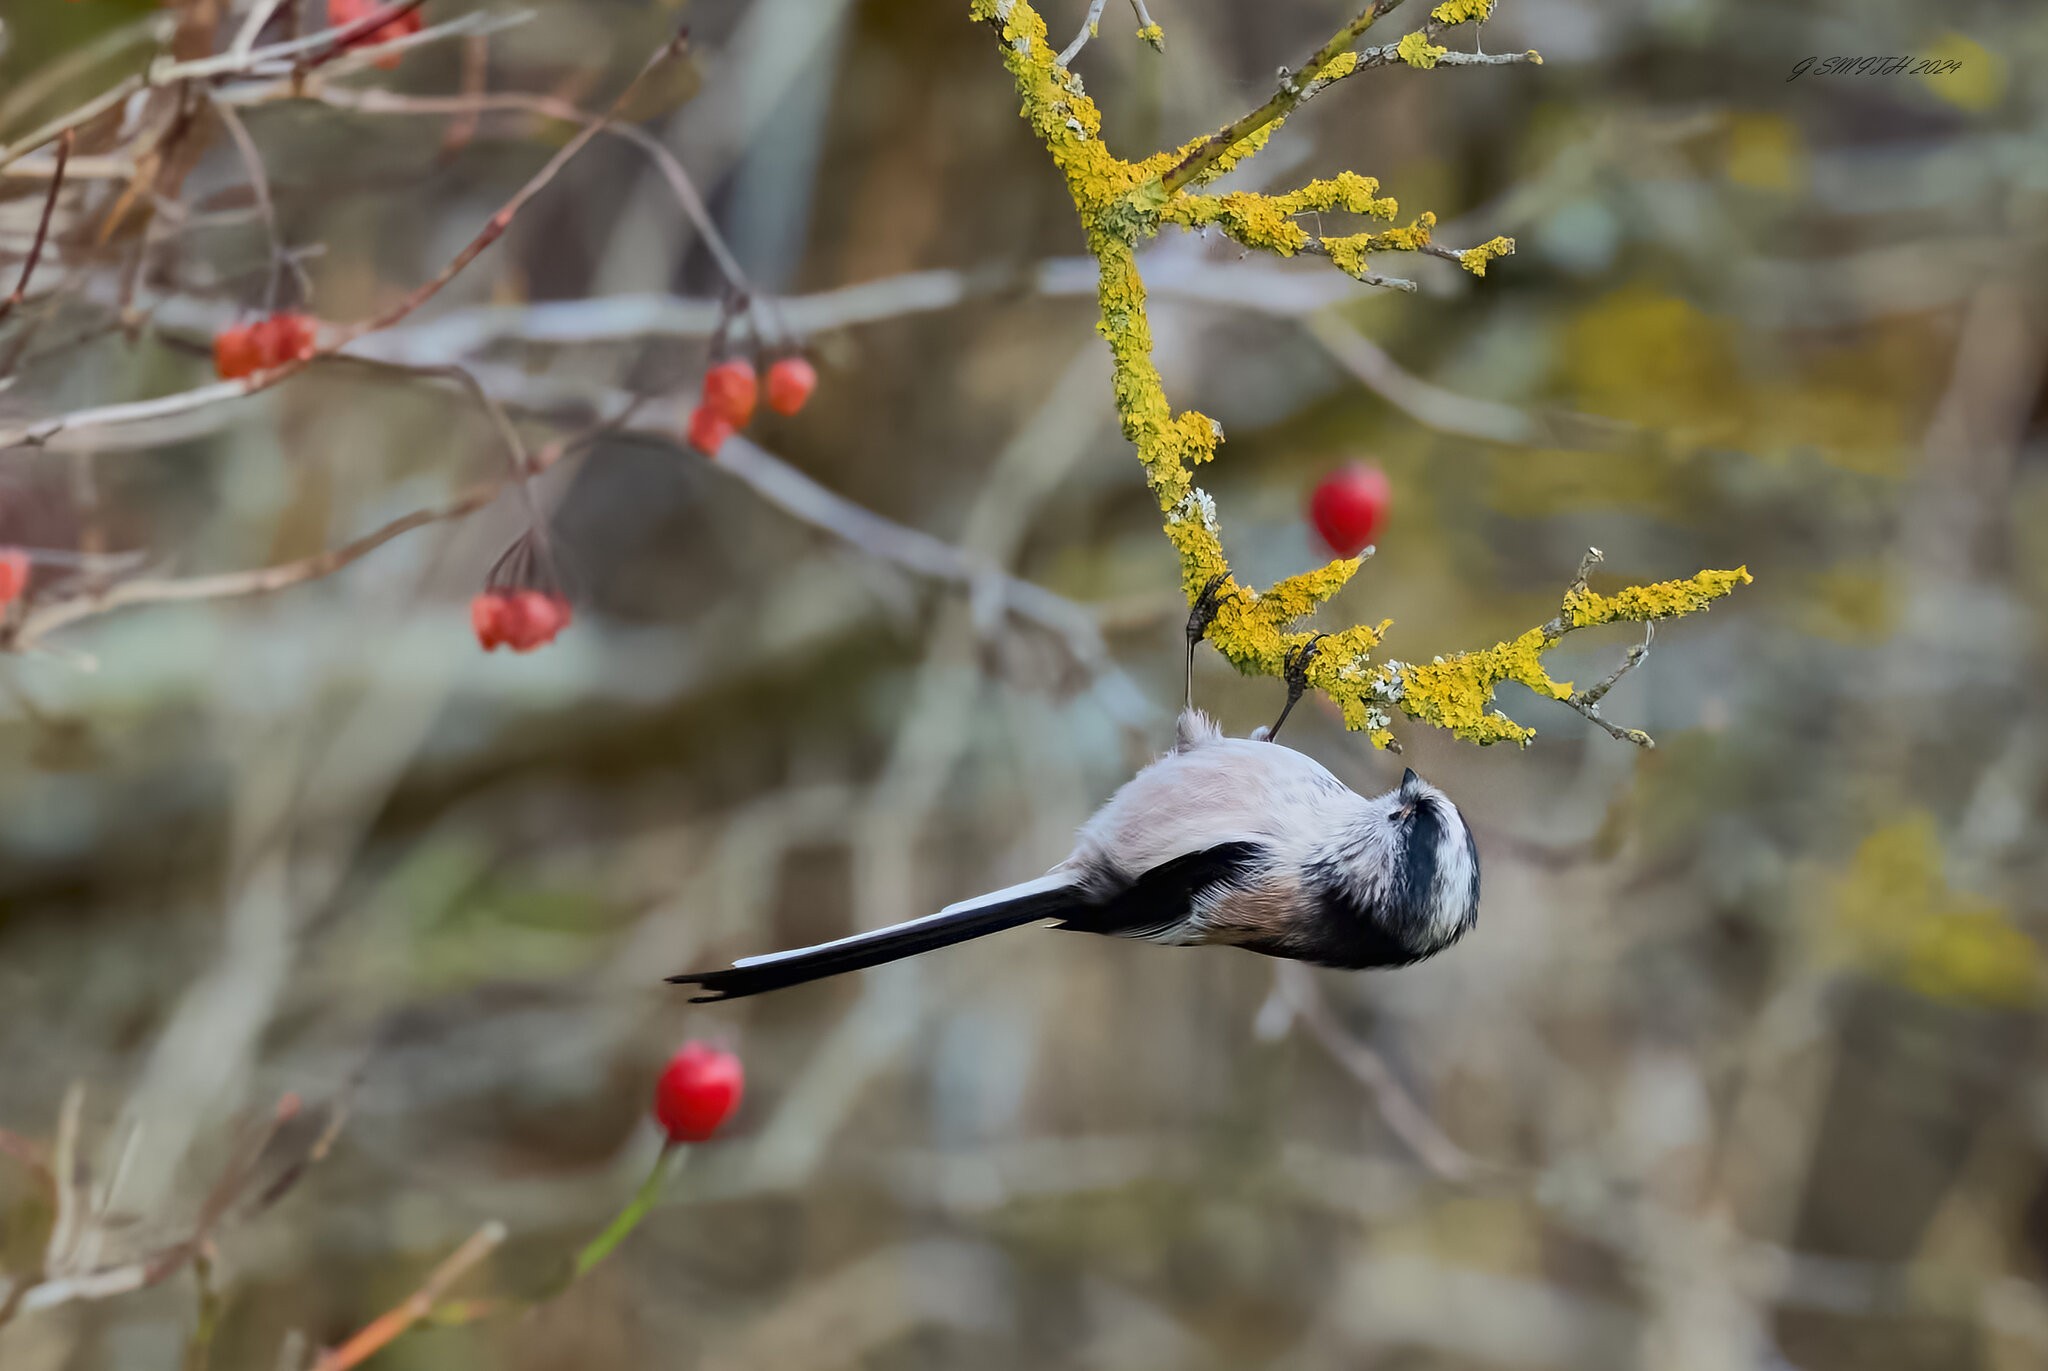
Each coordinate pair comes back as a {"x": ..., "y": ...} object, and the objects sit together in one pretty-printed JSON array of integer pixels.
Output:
[{"x": 1416, "y": 872}]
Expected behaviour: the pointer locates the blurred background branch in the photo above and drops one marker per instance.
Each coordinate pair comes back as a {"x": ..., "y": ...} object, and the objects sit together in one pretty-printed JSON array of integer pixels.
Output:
[{"x": 1742, "y": 1067}]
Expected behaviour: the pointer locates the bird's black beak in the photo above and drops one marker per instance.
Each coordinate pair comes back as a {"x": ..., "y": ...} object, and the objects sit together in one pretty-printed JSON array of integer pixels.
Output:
[{"x": 1411, "y": 786}]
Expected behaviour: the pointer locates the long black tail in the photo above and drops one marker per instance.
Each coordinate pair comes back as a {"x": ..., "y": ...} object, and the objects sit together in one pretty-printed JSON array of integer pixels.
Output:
[{"x": 1045, "y": 898}]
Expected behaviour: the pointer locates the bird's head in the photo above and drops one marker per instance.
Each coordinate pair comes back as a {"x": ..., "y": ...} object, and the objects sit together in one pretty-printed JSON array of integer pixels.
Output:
[{"x": 1409, "y": 857}]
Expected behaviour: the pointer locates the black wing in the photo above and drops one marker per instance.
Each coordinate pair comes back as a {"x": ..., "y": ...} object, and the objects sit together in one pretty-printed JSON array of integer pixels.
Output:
[{"x": 1156, "y": 900}]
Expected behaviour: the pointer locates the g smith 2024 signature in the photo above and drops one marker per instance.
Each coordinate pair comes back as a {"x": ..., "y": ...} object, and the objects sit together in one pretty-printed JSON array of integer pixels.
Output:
[{"x": 1876, "y": 66}]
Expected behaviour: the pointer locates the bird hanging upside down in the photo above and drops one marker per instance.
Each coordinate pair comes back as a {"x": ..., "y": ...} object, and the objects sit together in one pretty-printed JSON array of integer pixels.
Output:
[{"x": 1234, "y": 841}]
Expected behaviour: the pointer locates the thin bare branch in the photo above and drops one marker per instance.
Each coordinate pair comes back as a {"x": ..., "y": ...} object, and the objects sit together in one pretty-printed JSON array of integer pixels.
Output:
[
  {"x": 69, "y": 1270},
  {"x": 387, "y": 1327},
  {"x": 1316, "y": 247},
  {"x": 1449, "y": 412},
  {"x": 1296, "y": 987},
  {"x": 1390, "y": 56},
  {"x": 312, "y": 50},
  {"x": 46, "y": 618},
  {"x": 259, "y": 186},
  {"x": 1587, "y": 702},
  {"x": 252, "y": 25},
  {"x": 35, "y": 250},
  {"x": 1294, "y": 88},
  {"x": 92, "y": 109},
  {"x": 378, "y": 101},
  {"x": 1088, "y": 28},
  {"x": 493, "y": 229}
]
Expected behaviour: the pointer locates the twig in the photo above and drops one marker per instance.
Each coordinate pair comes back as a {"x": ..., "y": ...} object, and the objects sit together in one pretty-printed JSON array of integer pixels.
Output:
[
  {"x": 252, "y": 26},
  {"x": 620, "y": 1228},
  {"x": 25, "y": 1152},
  {"x": 1294, "y": 88},
  {"x": 199, "y": 1345},
  {"x": 378, "y": 101},
  {"x": 381, "y": 1331},
  {"x": 519, "y": 463},
  {"x": 1144, "y": 18},
  {"x": 1449, "y": 412},
  {"x": 35, "y": 249},
  {"x": 59, "y": 1283},
  {"x": 259, "y": 186},
  {"x": 1587, "y": 701},
  {"x": 1088, "y": 27},
  {"x": 373, "y": 22},
  {"x": 83, "y": 167},
  {"x": 68, "y": 1222},
  {"x": 1296, "y": 985},
  {"x": 68, "y": 68},
  {"x": 45, "y": 619},
  {"x": 1316, "y": 247},
  {"x": 127, "y": 412},
  {"x": 1390, "y": 56},
  {"x": 324, "y": 46},
  {"x": 110, "y": 98},
  {"x": 799, "y": 496},
  {"x": 476, "y": 71},
  {"x": 493, "y": 229}
]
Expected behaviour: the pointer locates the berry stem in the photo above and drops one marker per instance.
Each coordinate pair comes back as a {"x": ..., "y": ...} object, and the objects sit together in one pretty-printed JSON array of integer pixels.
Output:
[{"x": 641, "y": 1205}]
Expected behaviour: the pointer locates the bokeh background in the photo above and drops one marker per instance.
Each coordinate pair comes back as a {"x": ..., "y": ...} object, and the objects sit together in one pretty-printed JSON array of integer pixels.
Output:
[{"x": 1744, "y": 1066}]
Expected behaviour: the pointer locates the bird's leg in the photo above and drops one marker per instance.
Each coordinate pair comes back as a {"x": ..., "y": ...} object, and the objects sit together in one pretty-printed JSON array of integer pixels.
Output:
[
  {"x": 1297, "y": 681},
  {"x": 1199, "y": 618}
]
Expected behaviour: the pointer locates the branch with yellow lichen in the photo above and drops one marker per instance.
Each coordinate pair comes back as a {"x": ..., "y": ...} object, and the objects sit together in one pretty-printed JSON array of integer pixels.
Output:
[{"x": 1121, "y": 204}]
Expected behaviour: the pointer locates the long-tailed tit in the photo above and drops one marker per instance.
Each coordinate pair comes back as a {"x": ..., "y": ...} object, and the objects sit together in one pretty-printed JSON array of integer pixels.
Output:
[{"x": 1237, "y": 841}]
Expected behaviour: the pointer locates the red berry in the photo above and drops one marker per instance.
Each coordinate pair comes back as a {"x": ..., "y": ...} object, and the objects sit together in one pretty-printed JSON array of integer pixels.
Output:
[
  {"x": 537, "y": 617},
  {"x": 709, "y": 430},
  {"x": 1348, "y": 507},
  {"x": 234, "y": 352},
  {"x": 283, "y": 338},
  {"x": 14, "y": 568},
  {"x": 298, "y": 337},
  {"x": 519, "y": 619},
  {"x": 267, "y": 343},
  {"x": 487, "y": 617},
  {"x": 790, "y": 382},
  {"x": 340, "y": 12},
  {"x": 730, "y": 390},
  {"x": 697, "y": 1092}
]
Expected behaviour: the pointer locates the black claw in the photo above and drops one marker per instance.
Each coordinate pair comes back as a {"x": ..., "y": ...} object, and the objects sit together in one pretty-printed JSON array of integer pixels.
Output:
[
  {"x": 1203, "y": 613},
  {"x": 1199, "y": 618},
  {"x": 1295, "y": 672},
  {"x": 1298, "y": 660}
]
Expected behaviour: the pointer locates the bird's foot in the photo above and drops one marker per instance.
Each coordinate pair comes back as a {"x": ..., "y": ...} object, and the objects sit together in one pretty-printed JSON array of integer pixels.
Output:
[
  {"x": 1200, "y": 616},
  {"x": 1203, "y": 612},
  {"x": 1295, "y": 672}
]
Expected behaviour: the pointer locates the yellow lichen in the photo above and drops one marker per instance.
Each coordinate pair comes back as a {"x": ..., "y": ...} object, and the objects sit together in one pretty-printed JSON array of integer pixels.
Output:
[
  {"x": 1417, "y": 51},
  {"x": 1267, "y": 222},
  {"x": 1339, "y": 67},
  {"x": 1456, "y": 693},
  {"x": 1120, "y": 204},
  {"x": 1463, "y": 11},
  {"x": 1474, "y": 260},
  {"x": 1348, "y": 250},
  {"x": 1585, "y": 608},
  {"x": 1895, "y": 916}
]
